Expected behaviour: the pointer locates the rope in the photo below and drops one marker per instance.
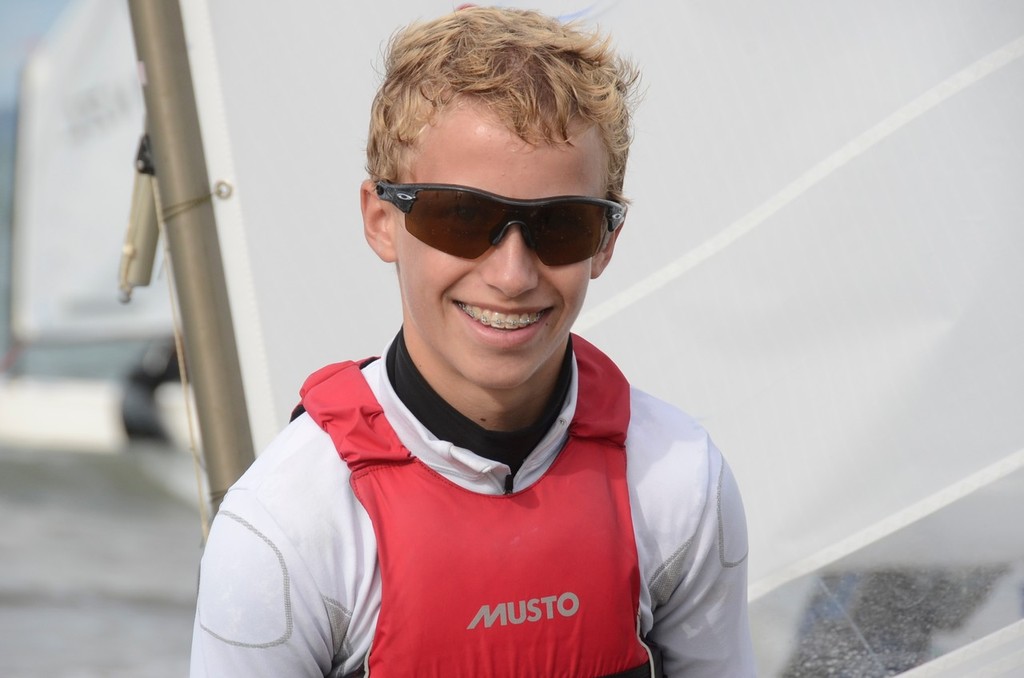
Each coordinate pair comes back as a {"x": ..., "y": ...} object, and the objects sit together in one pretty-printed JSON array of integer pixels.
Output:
[
  {"x": 197, "y": 462},
  {"x": 181, "y": 207}
]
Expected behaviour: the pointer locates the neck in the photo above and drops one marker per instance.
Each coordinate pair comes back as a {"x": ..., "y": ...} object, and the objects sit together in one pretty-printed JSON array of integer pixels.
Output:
[
  {"x": 505, "y": 411},
  {"x": 509, "y": 445}
]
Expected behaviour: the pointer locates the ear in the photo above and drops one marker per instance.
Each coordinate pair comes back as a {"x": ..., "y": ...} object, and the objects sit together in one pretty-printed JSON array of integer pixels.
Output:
[
  {"x": 379, "y": 222},
  {"x": 604, "y": 257}
]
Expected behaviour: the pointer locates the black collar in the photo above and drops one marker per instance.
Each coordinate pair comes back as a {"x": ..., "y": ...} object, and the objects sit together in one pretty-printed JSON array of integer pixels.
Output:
[{"x": 447, "y": 423}]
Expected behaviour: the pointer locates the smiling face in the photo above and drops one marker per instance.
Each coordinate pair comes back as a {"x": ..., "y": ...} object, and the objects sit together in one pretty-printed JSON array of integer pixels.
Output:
[{"x": 489, "y": 334}]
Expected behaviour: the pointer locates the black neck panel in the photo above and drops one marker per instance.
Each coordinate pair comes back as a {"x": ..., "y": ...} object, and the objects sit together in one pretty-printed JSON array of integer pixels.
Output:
[{"x": 447, "y": 423}]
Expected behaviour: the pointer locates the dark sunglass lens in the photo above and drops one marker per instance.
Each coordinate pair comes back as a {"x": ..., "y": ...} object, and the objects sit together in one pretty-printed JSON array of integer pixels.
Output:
[
  {"x": 463, "y": 223},
  {"x": 568, "y": 232},
  {"x": 455, "y": 222}
]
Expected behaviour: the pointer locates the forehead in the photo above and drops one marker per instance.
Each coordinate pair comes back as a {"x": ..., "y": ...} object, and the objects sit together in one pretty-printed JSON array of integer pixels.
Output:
[{"x": 467, "y": 145}]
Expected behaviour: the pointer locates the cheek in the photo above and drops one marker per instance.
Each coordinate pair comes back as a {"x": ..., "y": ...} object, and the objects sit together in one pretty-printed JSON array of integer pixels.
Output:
[
  {"x": 572, "y": 282},
  {"x": 424, "y": 272},
  {"x": 412, "y": 260}
]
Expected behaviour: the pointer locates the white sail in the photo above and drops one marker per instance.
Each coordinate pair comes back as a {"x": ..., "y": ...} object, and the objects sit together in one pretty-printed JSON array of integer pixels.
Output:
[
  {"x": 80, "y": 118},
  {"x": 822, "y": 259}
]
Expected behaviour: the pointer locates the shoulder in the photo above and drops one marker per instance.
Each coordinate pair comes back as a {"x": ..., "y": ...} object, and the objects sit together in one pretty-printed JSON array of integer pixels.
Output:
[
  {"x": 682, "y": 489},
  {"x": 280, "y": 569},
  {"x": 298, "y": 488},
  {"x": 666, "y": 446},
  {"x": 289, "y": 517},
  {"x": 302, "y": 455}
]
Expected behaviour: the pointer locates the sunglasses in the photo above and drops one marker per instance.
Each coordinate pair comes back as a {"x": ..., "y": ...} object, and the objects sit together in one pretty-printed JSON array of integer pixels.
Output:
[{"x": 466, "y": 222}]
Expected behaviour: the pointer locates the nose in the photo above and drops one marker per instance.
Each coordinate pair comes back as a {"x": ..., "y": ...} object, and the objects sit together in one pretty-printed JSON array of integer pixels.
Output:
[{"x": 511, "y": 265}]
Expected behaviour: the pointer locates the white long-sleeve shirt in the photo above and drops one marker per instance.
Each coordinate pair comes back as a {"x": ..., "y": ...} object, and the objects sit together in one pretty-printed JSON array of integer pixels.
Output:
[{"x": 290, "y": 586}]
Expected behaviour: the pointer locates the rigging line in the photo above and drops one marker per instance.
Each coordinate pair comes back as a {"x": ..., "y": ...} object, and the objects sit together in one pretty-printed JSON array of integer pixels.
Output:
[
  {"x": 857, "y": 146},
  {"x": 193, "y": 445},
  {"x": 853, "y": 625},
  {"x": 184, "y": 206}
]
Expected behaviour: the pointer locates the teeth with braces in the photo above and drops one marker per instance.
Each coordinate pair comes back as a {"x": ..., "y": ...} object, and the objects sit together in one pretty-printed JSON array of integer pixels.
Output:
[{"x": 500, "y": 321}]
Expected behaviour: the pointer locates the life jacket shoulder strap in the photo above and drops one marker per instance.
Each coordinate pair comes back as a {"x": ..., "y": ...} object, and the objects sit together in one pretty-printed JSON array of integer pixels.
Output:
[{"x": 340, "y": 401}]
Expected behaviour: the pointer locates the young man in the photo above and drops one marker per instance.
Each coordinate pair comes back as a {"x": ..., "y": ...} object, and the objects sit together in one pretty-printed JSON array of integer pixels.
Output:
[{"x": 490, "y": 498}]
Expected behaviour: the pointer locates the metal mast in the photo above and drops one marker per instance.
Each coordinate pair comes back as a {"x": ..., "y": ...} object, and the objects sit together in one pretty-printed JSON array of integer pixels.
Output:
[{"x": 212, "y": 362}]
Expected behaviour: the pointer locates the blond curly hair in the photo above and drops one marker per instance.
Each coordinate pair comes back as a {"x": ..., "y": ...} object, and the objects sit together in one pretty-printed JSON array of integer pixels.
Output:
[{"x": 538, "y": 76}]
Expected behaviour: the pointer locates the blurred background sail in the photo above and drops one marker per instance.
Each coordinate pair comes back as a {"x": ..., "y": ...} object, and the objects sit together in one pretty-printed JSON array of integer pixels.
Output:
[
  {"x": 80, "y": 120},
  {"x": 69, "y": 342}
]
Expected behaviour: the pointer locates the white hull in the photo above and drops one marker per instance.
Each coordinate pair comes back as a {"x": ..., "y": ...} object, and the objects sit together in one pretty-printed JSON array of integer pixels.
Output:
[
  {"x": 83, "y": 415},
  {"x": 61, "y": 414}
]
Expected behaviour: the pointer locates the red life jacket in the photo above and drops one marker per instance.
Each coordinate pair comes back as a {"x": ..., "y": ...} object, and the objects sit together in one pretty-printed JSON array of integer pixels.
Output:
[{"x": 541, "y": 582}]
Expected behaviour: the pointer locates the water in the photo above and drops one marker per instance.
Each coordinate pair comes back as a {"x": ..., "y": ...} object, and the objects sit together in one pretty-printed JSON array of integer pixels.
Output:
[{"x": 98, "y": 564}]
